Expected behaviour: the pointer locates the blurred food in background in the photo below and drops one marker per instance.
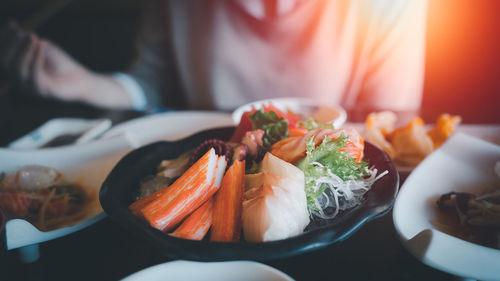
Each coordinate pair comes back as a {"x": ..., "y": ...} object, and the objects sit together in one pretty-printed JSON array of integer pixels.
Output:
[
  {"x": 408, "y": 145},
  {"x": 43, "y": 196},
  {"x": 473, "y": 216}
]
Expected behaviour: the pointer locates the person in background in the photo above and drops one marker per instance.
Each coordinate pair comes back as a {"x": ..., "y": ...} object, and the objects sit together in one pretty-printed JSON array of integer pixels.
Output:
[{"x": 365, "y": 55}]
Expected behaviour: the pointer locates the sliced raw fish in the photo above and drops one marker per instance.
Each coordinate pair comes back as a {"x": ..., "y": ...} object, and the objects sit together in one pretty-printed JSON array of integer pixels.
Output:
[
  {"x": 293, "y": 149},
  {"x": 275, "y": 204}
]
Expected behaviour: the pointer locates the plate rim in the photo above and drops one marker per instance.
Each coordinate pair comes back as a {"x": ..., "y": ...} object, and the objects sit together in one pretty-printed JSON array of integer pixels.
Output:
[
  {"x": 121, "y": 128},
  {"x": 159, "y": 267}
]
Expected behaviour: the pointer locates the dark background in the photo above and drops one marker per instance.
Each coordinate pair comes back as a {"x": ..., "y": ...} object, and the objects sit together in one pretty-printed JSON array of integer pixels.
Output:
[
  {"x": 99, "y": 34},
  {"x": 462, "y": 63},
  {"x": 462, "y": 74}
]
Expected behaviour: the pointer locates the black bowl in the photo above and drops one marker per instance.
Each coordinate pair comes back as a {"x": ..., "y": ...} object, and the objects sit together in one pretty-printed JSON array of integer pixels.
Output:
[{"x": 121, "y": 185}]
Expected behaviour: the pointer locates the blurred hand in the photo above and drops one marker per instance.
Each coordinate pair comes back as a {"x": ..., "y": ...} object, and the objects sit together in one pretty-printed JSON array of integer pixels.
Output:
[
  {"x": 36, "y": 66},
  {"x": 33, "y": 65}
]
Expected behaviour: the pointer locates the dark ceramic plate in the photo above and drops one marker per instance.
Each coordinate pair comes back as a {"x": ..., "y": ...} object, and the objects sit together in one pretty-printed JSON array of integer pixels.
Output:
[{"x": 121, "y": 185}]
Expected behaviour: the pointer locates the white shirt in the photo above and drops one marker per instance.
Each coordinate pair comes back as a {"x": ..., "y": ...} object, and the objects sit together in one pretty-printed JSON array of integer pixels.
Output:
[{"x": 361, "y": 54}]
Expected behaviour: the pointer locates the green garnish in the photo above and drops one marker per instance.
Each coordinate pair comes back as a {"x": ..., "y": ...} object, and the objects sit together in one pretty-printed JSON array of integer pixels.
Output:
[
  {"x": 275, "y": 128},
  {"x": 331, "y": 160},
  {"x": 310, "y": 124}
]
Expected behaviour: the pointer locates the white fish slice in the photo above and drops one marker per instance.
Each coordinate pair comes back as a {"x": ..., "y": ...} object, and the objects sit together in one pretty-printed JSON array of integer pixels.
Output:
[{"x": 275, "y": 204}]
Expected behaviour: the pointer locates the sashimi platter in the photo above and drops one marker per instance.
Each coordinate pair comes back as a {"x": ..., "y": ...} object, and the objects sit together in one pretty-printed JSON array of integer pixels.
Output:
[{"x": 278, "y": 184}]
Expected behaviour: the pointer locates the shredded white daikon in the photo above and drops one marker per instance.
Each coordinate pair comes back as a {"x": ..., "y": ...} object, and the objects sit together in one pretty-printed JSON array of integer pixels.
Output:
[{"x": 340, "y": 195}]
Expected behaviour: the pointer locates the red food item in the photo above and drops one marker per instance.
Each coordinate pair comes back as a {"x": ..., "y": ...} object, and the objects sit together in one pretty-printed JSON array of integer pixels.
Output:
[
  {"x": 292, "y": 149},
  {"x": 228, "y": 205},
  {"x": 355, "y": 151},
  {"x": 187, "y": 193},
  {"x": 136, "y": 207},
  {"x": 196, "y": 225},
  {"x": 15, "y": 202},
  {"x": 252, "y": 140},
  {"x": 246, "y": 125},
  {"x": 292, "y": 118},
  {"x": 297, "y": 131}
]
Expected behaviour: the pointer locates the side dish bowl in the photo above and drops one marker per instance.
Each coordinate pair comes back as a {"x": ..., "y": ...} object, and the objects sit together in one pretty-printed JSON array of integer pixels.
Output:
[
  {"x": 461, "y": 164},
  {"x": 121, "y": 185},
  {"x": 321, "y": 111}
]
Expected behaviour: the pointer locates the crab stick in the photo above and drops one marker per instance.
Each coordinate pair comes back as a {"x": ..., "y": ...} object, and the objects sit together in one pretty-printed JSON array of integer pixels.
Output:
[
  {"x": 196, "y": 225},
  {"x": 187, "y": 193},
  {"x": 275, "y": 204},
  {"x": 228, "y": 205},
  {"x": 136, "y": 207}
]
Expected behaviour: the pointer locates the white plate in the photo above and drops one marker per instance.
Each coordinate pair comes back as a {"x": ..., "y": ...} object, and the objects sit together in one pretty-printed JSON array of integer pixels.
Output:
[
  {"x": 89, "y": 164},
  {"x": 299, "y": 105},
  {"x": 461, "y": 163},
  {"x": 170, "y": 126},
  {"x": 210, "y": 271},
  {"x": 87, "y": 129}
]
